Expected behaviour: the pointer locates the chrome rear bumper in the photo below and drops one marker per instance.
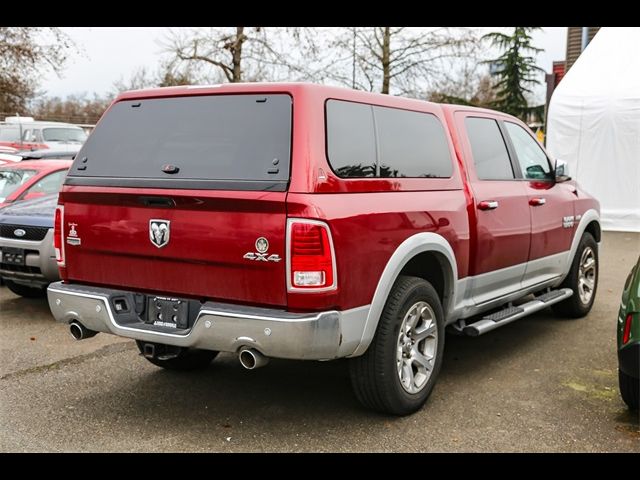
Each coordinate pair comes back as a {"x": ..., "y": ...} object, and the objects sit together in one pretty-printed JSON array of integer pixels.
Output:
[{"x": 221, "y": 327}]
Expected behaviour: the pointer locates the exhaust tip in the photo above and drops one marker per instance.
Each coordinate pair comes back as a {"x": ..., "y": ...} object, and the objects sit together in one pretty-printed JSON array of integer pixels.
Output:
[
  {"x": 247, "y": 359},
  {"x": 75, "y": 329},
  {"x": 252, "y": 359},
  {"x": 79, "y": 331}
]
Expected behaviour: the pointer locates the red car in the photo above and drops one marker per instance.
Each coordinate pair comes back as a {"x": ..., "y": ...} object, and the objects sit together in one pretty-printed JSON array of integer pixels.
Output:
[
  {"x": 31, "y": 179},
  {"x": 312, "y": 222},
  {"x": 7, "y": 150},
  {"x": 9, "y": 158}
]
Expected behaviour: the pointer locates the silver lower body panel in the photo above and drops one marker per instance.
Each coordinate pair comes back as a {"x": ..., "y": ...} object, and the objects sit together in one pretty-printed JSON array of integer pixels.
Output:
[{"x": 221, "y": 327}]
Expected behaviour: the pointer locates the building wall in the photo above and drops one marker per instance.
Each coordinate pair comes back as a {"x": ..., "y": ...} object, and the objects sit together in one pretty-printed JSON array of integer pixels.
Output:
[{"x": 574, "y": 43}]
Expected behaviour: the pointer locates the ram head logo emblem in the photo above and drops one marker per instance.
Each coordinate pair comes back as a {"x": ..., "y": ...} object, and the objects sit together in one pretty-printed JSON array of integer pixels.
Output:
[{"x": 159, "y": 232}]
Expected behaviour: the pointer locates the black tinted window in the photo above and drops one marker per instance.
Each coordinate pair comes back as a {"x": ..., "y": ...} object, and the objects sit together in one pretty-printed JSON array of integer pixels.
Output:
[
  {"x": 412, "y": 144},
  {"x": 351, "y": 142},
  {"x": 217, "y": 137},
  {"x": 490, "y": 154},
  {"x": 397, "y": 143}
]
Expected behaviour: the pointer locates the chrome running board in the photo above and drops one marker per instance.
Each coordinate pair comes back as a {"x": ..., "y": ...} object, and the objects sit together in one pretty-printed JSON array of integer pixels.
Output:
[{"x": 512, "y": 313}]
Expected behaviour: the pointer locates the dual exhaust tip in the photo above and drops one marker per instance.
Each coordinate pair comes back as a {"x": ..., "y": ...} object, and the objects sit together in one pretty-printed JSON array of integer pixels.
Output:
[{"x": 250, "y": 358}]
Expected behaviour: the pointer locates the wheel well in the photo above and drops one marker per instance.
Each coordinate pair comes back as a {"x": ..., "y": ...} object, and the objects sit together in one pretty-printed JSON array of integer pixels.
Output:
[
  {"x": 594, "y": 229},
  {"x": 434, "y": 268}
]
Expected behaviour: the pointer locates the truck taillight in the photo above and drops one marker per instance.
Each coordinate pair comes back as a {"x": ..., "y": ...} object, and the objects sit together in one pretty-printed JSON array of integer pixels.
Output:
[
  {"x": 311, "y": 259},
  {"x": 58, "y": 230}
]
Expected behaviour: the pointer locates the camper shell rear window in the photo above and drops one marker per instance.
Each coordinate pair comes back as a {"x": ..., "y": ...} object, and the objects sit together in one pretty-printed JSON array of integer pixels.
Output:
[{"x": 213, "y": 141}]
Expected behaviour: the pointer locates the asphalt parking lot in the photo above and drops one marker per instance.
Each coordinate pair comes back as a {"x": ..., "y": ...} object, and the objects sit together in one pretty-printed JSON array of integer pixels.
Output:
[{"x": 539, "y": 384}]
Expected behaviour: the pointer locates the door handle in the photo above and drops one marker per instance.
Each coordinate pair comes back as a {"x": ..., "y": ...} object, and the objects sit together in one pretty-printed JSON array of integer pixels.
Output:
[
  {"x": 488, "y": 205},
  {"x": 537, "y": 202}
]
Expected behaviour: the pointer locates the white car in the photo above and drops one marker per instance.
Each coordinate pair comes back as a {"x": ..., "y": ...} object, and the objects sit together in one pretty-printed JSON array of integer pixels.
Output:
[
  {"x": 27, "y": 134},
  {"x": 62, "y": 137}
]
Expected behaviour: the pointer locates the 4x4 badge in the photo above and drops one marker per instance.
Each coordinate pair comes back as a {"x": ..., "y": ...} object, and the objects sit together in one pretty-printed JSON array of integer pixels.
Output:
[{"x": 159, "y": 232}]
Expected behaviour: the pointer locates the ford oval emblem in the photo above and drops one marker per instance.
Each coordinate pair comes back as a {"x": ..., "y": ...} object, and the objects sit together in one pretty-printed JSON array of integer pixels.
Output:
[{"x": 18, "y": 232}]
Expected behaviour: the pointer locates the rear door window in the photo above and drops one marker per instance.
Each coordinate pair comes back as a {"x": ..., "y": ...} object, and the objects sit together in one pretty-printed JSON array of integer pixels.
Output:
[
  {"x": 412, "y": 144},
  {"x": 233, "y": 138},
  {"x": 351, "y": 138},
  {"x": 372, "y": 141},
  {"x": 490, "y": 155}
]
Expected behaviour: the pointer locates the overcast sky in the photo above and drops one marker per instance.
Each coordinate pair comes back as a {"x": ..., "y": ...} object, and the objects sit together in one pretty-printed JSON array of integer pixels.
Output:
[{"x": 113, "y": 53}]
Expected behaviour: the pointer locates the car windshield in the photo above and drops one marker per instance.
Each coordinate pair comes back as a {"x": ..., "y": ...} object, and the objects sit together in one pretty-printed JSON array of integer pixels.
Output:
[
  {"x": 11, "y": 179},
  {"x": 59, "y": 134},
  {"x": 9, "y": 134}
]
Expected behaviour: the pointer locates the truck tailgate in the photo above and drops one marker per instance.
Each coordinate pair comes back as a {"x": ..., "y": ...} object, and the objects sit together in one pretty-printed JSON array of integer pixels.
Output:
[{"x": 209, "y": 235}]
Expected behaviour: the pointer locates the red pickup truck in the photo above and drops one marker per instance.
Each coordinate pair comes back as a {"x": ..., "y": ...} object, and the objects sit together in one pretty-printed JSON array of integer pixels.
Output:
[{"x": 310, "y": 222}]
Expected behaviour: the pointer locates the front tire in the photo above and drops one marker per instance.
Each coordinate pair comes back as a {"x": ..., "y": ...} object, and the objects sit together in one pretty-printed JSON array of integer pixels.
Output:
[
  {"x": 629, "y": 389},
  {"x": 186, "y": 359},
  {"x": 582, "y": 279},
  {"x": 399, "y": 369},
  {"x": 24, "y": 291}
]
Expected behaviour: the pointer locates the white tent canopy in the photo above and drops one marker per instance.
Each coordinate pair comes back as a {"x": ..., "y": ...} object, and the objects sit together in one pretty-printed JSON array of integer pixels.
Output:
[{"x": 594, "y": 124}]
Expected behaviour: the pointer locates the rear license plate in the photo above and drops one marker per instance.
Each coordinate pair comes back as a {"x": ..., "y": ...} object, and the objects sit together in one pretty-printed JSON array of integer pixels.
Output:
[
  {"x": 168, "y": 312},
  {"x": 13, "y": 256}
]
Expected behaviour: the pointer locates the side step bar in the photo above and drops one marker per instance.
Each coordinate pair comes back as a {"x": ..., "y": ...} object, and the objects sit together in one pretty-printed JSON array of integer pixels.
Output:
[{"x": 511, "y": 313}]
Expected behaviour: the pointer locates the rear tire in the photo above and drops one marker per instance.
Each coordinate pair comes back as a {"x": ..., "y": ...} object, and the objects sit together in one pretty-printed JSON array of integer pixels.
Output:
[
  {"x": 399, "y": 369},
  {"x": 187, "y": 359},
  {"x": 629, "y": 389},
  {"x": 579, "y": 304},
  {"x": 24, "y": 291}
]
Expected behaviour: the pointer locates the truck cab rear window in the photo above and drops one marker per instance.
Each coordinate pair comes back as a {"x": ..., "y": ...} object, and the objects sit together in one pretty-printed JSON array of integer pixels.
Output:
[
  {"x": 228, "y": 138},
  {"x": 372, "y": 141}
]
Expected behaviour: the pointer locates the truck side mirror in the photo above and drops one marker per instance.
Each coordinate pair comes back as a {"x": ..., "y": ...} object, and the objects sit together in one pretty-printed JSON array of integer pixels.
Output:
[{"x": 562, "y": 171}]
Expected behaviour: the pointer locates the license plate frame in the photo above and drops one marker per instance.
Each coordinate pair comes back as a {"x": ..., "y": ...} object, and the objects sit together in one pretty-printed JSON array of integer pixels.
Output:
[
  {"x": 13, "y": 256},
  {"x": 168, "y": 312}
]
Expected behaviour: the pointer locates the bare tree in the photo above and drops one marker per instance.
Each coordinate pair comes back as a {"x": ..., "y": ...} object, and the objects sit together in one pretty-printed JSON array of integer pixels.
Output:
[
  {"x": 398, "y": 59},
  {"x": 25, "y": 54},
  {"x": 477, "y": 90},
  {"x": 166, "y": 75},
  {"x": 246, "y": 54},
  {"x": 293, "y": 54},
  {"x": 73, "y": 109},
  {"x": 141, "y": 78},
  {"x": 81, "y": 108},
  {"x": 232, "y": 54},
  {"x": 170, "y": 76}
]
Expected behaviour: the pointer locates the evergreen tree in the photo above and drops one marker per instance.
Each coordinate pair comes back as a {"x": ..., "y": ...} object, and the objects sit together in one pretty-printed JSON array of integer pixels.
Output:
[{"x": 516, "y": 70}]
